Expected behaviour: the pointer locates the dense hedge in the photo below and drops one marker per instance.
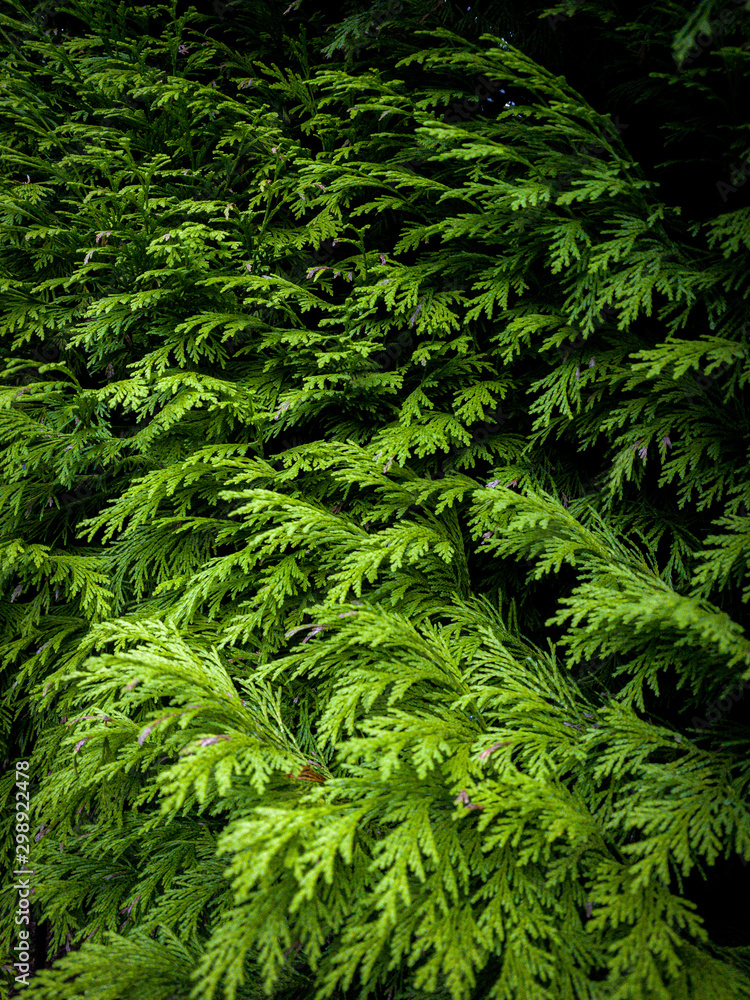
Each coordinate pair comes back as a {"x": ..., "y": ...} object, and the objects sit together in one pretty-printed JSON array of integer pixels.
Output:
[{"x": 374, "y": 536}]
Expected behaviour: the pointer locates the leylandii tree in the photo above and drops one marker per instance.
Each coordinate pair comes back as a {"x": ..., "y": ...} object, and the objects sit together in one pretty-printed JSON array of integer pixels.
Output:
[{"x": 374, "y": 518}]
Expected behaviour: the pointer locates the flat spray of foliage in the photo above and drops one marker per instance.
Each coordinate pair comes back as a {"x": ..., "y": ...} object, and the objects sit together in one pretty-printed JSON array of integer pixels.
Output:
[{"x": 311, "y": 711}]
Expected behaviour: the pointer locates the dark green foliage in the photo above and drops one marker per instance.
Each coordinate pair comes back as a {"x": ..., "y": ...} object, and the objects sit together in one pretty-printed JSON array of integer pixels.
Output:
[{"x": 374, "y": 538}]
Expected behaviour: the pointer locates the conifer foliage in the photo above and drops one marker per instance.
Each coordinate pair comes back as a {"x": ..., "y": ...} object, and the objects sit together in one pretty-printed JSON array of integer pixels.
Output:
[{"x": 374, "y": 526}]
